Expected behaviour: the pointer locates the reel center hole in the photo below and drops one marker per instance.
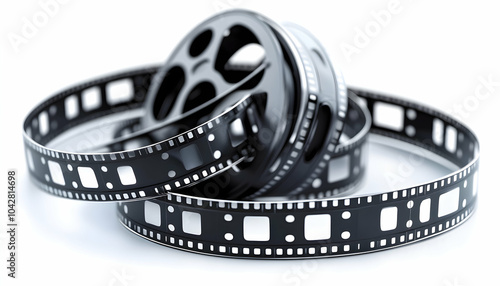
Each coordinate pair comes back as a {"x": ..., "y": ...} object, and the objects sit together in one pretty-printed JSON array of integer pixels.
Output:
[
  {"x": 240, "y": 53},
  {"x": 247, "y": 58},
  {"x": 168, "y": 91},
  {"x": 200, "y": 43},
  {"x": 201, "y": 93}
]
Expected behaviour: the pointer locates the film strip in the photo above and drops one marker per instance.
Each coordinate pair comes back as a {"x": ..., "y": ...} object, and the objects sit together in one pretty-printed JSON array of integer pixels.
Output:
[
  {"x": 328, "y": 226},
  {"x": 127, "y": 175},
  {"x": 181, "y": 148}
]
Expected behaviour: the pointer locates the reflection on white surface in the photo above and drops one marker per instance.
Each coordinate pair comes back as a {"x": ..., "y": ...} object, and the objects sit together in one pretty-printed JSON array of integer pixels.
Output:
[{"x": 393, "y": 165}]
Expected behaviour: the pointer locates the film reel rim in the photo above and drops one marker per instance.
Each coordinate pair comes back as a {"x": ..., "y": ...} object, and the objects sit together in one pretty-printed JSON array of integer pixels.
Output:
[
  {"x": 311, "y": 87},
  {"x": 337, "y": 103}
]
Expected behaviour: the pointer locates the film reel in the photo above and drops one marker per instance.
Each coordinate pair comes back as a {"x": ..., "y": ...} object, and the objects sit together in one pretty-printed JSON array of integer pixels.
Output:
[
  {"x": 179, "y": 165},
  {"x": 240, "y": 51}
]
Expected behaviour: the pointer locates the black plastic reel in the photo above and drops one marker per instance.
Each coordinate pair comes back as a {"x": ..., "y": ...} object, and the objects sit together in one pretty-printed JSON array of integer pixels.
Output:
[{"x": 301, "y": 114}]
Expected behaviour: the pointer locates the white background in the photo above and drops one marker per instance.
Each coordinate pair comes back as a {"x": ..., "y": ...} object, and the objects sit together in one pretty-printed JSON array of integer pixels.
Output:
[{"x": 434, "y": 53}]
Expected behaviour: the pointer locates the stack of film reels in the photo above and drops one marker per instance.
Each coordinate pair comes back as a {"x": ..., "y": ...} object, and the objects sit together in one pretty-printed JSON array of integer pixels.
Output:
[{"x": 244, "y": 144}]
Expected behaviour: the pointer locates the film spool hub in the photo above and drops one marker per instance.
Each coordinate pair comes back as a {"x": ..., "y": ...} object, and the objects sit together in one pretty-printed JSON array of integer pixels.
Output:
[{"x": 250, "y": 128}]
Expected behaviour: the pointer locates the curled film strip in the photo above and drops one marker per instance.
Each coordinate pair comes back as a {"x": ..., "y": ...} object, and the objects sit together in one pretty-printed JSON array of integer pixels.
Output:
[{"x": 181, "y": 148}]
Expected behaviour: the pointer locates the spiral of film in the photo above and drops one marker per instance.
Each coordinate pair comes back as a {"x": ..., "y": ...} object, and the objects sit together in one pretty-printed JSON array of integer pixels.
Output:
[{"x": 239, "y": 146}]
